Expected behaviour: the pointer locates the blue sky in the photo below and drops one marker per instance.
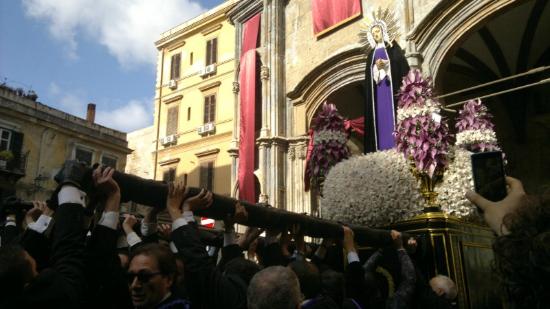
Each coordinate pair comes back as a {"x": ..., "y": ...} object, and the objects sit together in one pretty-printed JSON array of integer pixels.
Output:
[{"x": 72, "y": 52}]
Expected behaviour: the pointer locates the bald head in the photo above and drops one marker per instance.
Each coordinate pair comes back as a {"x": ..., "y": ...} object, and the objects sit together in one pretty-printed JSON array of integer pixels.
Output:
[
  {"x": 274, "y": 287},
  {"x": 443, "y": 286}
]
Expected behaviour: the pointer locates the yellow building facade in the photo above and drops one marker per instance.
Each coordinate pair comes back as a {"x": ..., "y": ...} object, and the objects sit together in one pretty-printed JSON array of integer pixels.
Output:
[
  {"x": 194, "y": 102},
  {"x": 41, "y": 138}
]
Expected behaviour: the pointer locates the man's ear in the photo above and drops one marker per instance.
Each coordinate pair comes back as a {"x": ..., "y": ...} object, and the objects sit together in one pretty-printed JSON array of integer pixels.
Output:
[{"x": 169, "y": 280}]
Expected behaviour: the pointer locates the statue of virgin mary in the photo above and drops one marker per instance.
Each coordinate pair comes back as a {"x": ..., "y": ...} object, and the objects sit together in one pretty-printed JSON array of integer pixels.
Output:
[{"x": 386, "y": 66}]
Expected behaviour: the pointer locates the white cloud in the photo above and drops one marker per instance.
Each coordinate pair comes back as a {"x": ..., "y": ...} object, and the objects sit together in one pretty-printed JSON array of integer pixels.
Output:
[
  {"x": 136, "y": 114},
  {"x": 128, "y": 28}
]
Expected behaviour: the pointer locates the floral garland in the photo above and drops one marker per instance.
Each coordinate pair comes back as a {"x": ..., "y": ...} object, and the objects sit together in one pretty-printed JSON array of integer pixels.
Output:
[
  {"x": 475, "y": 128},
  {"x": 475, "y": 134},
  {"x": 326, "y": 136},
  {"x": 456, "y": 181},
  {"x": 329, "y": 144},
  {"x": 422, "y": 135},
  {"x": 414, "y": 111},
  {"x": 374, "y": 190}
]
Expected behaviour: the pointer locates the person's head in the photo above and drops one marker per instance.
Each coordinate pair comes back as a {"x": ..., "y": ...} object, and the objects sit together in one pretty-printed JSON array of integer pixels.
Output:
[
  {"x": 17, "y": 268},
  {"x": 522, "y": 256},
  {"x": 150, "y": 274},
  {"x": 274, "y": 287},
  {"x": 377, "y": 34},
  {"x": 333, "y": 285},
  {"x": 242, "y": 268},
  {"x": 444, "y": 287},
  {"x": 308, "y": 276}
]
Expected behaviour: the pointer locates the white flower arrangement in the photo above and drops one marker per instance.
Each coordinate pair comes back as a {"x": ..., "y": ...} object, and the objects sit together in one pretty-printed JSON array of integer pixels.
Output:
[
  {"x": 456, "y": 181},
  {"x": 430, "y": 107},
  {"x": 474, "y": 136},
  {"x": 373, "y": 190},
  {"x": 329, "y": 135}
]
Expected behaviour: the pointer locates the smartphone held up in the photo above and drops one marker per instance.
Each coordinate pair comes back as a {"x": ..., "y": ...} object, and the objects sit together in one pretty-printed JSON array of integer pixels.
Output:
[{"x": 488, "y": 174}]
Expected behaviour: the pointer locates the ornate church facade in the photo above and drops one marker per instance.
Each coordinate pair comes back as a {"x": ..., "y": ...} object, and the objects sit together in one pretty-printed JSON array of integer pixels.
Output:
[{"x": 459, "y": 43}]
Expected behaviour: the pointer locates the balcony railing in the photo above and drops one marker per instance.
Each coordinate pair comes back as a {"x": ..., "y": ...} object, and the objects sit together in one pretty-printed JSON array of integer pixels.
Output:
[{"x": 17, "y": 165}]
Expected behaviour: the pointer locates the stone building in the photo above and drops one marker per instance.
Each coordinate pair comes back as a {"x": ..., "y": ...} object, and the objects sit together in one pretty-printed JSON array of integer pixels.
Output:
[
  {"x": 194, "y": 102},
  {"x": 41, "y": 138},
  {"x": 461, "y": 44}
]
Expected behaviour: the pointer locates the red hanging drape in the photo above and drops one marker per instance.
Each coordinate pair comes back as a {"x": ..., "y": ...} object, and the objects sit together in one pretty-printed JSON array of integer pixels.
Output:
[
  {"x": 247, "y": 81},
  {"x": 328, "y": 14},
  {"x": 356, "y": 125}
]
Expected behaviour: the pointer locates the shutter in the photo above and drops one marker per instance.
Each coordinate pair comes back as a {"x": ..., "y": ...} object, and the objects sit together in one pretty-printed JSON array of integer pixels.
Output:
[
  {"x": 206, "y": 109},
  {"x": 214, "y": 50},
  {"x": 202, "y": 176},
  {"x": 208, "y": 52},
  {"x": 177, "y": 60},
  {"x": 172, "y": 120},
  {"x": 212, "y": 108},
  {"x": 16, "y": 143},
  {"x": 210, "y": 172}
]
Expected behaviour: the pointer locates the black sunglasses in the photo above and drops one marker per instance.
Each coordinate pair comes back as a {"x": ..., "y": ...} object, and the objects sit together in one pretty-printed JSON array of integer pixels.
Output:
[{"x": 142, "y": 276}]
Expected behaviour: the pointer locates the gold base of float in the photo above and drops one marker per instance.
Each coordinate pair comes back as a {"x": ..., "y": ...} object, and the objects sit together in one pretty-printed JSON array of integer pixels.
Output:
[{"x": 459, "y": 249}]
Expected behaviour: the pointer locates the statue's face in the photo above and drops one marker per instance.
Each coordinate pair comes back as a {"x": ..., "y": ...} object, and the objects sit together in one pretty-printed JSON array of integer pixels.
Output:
[{"x": 377, "y": 34}]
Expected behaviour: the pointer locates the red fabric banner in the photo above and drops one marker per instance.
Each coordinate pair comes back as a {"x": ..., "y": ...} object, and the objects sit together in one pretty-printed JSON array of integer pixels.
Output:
[
  {"x": 328, "y": 14},
  {"x": 247, "y": 81},
  {"x": 356, "y": 125}
]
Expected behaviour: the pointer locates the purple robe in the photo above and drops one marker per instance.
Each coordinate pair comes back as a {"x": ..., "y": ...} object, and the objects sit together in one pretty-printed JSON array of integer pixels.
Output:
[{"x": 384, "y": 109}]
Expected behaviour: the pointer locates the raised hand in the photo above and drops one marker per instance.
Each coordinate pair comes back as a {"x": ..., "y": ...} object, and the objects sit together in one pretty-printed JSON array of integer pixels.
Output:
[
  {"x": 200, "y": 201},
  {"x": 104, "y": 181},
  {"x": 128, "y": 223},
  {"x": 397, "y": 239},
  {"x": 176, "y": 194},
  {"x": 348, "y": 242},
  {"x": 494, "y": 212}
]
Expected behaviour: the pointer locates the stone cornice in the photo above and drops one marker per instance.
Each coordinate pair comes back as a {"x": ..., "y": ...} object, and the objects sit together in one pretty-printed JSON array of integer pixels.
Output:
[
  {"x": 194, "y": 23},
  {"x": 53, "y": 118},
  {"x": 169, "y": 161},
  {"x": 206, "y": 153},
  {"x": 244, "y": 10}
]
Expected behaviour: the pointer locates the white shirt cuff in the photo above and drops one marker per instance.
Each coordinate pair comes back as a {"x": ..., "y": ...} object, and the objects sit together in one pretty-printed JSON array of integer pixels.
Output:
[
  {"x": 70, "y": 194},
  {"x": 148, "y": 228},
  {"x": 352, "y": 257},
  {"x": 109, "y": 219},
  {"x": 41, "y": 224},
  {"x": 10, "y": 223},
  {"x": 183, "y": 220},
  {"x": 173, "y": 247},
  {"x": 133, "y": 239},
  {"x": 229, "y": 238}
]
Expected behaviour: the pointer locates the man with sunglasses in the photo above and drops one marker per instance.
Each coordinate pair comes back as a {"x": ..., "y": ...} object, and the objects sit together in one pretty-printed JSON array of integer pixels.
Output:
[{"x": 151, "y": 273}]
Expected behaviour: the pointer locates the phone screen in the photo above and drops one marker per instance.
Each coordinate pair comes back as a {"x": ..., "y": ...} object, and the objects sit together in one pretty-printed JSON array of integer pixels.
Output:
[{"x": 488, "y": 173}]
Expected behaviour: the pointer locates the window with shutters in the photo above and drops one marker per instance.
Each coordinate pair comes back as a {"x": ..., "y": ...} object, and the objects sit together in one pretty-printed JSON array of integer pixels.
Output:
[
  {"x": 84, "y": 155},
  {"x": 169, "y": 174},
  {"x": 207, "y": 175},
  {"x": 5, "y": 139},
  {"x": 109, "y": 161},
  {"x": 175, "y": 66},
  {"x": 211, "y": 51},
  {"x": 172, "y": 120},
  {"x": 210, "y": 108}
]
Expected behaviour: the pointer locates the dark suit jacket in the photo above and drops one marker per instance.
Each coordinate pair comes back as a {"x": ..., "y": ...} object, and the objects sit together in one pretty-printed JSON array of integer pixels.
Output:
[
  {"x": 62, "y": 285},
  {"x": 107, "y": 286},
  {"x": 38, "y": 246},
  {"x": 206, "y": 285}
]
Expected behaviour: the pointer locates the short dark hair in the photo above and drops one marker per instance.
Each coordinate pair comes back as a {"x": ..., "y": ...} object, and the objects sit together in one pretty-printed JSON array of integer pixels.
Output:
[
  {"x": 522, "y": 256},
  {"x": 333, "y": 285},
  {"x": 308, "y": 276},
  {"x": 15, "y": 271},
  {"x": 242, "y": 268},
  {"x": 166, "y": 261},
  {"x": 274, "y": 287}
]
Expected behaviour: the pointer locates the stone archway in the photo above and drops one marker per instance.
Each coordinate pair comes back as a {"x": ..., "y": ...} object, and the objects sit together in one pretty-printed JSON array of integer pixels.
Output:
[
  {"x": 443, "y": 29},
  {"x": 343, "y": 69}
]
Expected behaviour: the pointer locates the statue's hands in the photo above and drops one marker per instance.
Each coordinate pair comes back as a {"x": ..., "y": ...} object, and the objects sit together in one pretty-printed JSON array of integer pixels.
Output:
[{"x": 381, "y": 64}]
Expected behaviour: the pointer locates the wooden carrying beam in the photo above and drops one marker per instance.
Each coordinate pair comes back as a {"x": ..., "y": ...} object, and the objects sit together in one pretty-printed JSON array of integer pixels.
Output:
[{"x": 153, "y": 193}]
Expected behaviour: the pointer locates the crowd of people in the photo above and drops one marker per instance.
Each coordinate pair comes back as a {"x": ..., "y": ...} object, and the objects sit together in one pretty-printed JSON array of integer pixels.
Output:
[{"x": 77, "y": 252}]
